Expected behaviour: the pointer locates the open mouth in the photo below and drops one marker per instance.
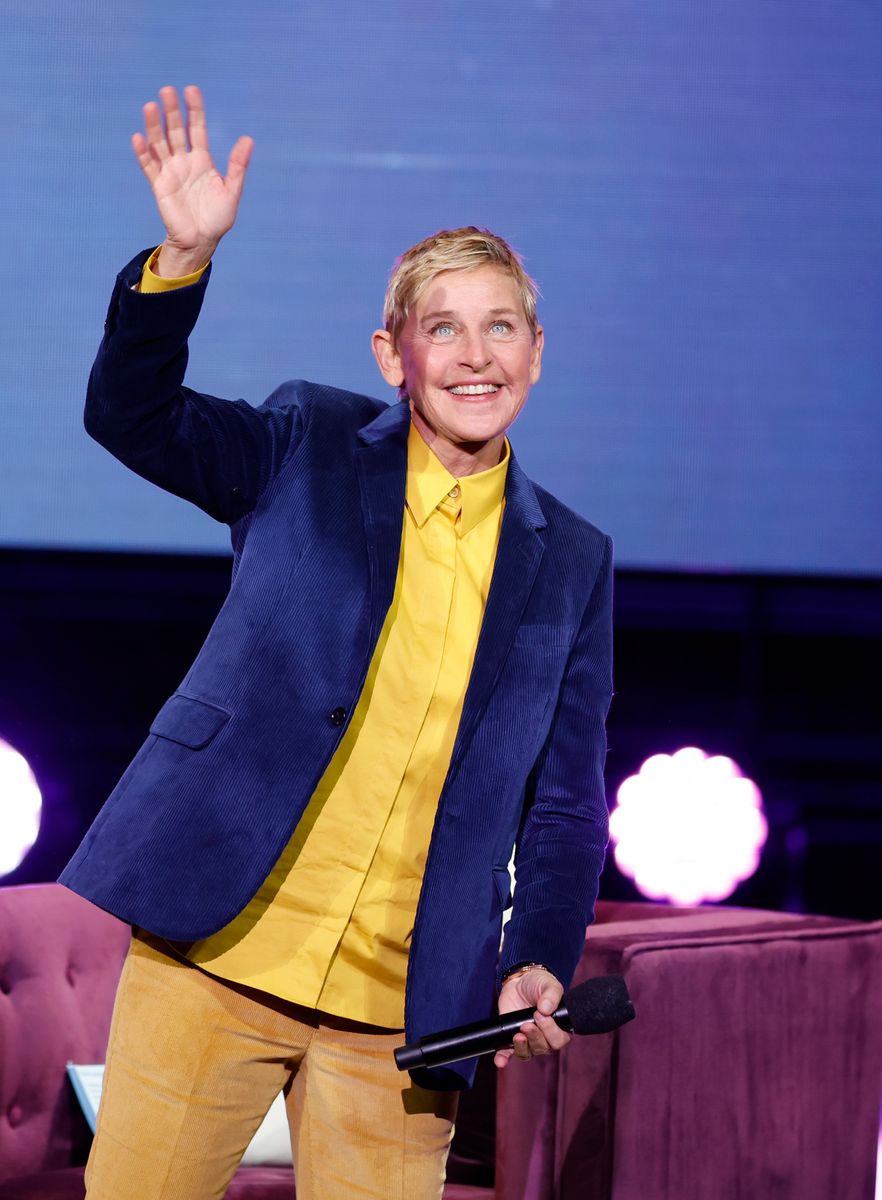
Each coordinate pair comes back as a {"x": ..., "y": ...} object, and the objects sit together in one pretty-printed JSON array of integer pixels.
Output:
[{"x": 474, "y": 389}]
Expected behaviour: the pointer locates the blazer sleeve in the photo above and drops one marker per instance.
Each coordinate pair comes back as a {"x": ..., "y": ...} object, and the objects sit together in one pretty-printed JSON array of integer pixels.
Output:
[
  {"x": 218, "y": 454},
  {"x": 565, "y": 831}
]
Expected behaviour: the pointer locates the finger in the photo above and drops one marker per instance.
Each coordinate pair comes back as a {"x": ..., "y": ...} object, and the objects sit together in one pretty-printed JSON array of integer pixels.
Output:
[
  {"x": 148, "y": 163},
  {"x": 155, "y": 135},
  {"x": 196, "y": 125},
  {"x": 545, "y": 1036},
  {"x": 240, "y": 156},
  {"x": 177, "y": 139},
  {"x": 535, "y": 1039},
  {"x": 501, "y": 1057},
  {"x": 521, "y": 1045},
  {"x": 555, "y": 1037}
]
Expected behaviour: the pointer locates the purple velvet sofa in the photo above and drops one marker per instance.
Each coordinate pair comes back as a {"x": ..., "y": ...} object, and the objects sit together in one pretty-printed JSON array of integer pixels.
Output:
[{"x": 752, "y": 1071}]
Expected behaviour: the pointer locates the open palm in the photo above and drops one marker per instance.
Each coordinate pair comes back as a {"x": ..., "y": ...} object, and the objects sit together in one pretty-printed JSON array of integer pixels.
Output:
[{"x": 196, "y": 203}]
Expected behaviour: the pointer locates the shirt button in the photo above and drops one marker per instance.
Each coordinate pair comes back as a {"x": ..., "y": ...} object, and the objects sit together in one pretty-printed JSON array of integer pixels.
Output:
[
  {"x": 337, "y": 716},
  {"x": 454, "y": 492}
]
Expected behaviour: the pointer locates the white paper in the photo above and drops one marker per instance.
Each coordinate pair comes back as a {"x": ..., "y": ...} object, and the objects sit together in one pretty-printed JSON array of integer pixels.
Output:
[{"x": 270, "y": 1146}]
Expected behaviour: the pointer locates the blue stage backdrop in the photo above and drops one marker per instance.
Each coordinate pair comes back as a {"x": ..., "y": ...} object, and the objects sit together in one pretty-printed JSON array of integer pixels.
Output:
[{"x": 696, "y": 184}]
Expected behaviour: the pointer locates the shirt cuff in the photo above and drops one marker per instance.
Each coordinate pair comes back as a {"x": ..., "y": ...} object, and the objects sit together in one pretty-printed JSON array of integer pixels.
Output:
[{"x": 150, "y": 282}]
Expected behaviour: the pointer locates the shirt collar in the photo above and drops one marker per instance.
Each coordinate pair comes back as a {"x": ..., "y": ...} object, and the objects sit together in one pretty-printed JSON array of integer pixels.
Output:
[{"x": 429, "y": 482}]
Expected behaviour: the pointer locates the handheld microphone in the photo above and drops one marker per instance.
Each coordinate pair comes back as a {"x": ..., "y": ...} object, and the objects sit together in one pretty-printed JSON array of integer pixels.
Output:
[{"x": 596, "y": 1006}]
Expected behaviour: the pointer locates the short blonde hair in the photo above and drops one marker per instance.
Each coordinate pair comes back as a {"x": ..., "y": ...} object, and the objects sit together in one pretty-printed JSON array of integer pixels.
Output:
[{"x": 452, "y": 250}]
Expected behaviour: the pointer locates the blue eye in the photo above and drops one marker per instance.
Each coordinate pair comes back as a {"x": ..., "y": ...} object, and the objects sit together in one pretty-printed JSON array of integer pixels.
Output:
[
  {"x": 501, "y": 326},
  {"x": 442, "y": 329}
]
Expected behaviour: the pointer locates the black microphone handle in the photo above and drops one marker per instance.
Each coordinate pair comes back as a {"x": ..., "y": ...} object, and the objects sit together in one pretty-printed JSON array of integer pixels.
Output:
[{"x": 480, "y": 1037}]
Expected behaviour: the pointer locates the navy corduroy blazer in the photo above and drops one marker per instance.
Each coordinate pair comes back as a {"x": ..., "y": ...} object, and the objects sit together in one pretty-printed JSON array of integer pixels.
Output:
[{"x": 312, "y": 484}]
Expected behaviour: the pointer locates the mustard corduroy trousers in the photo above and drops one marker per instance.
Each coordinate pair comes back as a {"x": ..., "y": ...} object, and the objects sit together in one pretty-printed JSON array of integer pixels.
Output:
[{"x": 193, "y": 1064}]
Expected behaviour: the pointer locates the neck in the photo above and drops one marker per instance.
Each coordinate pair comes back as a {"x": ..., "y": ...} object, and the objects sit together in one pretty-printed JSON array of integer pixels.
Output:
[{"x": 460, "y": 458}]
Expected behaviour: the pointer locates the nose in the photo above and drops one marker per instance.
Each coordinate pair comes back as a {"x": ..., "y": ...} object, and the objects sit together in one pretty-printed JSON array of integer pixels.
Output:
[{"x": 474, "y": 352}]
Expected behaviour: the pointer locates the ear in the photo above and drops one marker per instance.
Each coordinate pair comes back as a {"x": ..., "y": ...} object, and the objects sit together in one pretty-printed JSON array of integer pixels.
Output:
[
  {"x": 536, "y": 357},
  {"x": 388, "y": 358}
]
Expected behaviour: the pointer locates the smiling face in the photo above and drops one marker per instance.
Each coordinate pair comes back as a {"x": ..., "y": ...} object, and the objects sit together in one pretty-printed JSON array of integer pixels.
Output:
[{"x": 466, "y": 358}]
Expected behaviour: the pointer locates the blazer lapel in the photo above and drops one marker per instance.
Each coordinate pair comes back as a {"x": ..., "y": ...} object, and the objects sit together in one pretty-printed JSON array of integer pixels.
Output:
[
  {"x": 518, "y": 556},
  {"x": 381, "y": 462}
]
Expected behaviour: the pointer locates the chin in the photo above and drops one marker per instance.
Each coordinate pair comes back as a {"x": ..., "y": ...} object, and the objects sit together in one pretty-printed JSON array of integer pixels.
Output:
[{"x": 476, "y": 435}]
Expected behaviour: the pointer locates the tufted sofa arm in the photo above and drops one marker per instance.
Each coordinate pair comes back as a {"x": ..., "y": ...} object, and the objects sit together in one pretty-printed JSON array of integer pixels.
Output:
[{"x": 60, "y": 959}]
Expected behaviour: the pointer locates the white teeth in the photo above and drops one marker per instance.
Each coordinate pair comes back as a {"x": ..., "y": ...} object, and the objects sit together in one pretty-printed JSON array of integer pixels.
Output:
[{"x": 474, "y": 389}]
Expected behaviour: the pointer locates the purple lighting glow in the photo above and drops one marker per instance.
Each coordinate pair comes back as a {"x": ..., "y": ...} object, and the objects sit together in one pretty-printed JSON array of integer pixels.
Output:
[
  {"x": 20, "y": 806},
  {"x": 688, "y": 827}
]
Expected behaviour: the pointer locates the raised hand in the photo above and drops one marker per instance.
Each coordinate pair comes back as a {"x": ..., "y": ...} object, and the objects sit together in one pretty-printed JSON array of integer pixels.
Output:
[{"x": 196, "y": 203}]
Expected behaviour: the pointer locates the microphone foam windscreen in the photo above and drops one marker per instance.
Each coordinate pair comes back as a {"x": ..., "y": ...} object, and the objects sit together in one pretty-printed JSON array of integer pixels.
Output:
[{"x": 599, "y": 1005}]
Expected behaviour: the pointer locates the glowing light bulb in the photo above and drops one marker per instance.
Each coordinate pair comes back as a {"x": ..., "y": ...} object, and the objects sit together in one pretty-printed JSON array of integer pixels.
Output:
[
  {"x": 688, "y": 827},
  {"x": 20, "y": 808}
]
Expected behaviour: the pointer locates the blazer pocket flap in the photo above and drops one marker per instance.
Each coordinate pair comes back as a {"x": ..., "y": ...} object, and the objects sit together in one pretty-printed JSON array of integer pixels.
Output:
[{"x": 188, "y": 721}]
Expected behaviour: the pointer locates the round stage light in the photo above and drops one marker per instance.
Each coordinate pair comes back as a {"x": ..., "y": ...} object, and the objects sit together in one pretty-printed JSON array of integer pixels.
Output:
[
  {"x": 688, "y": 827},
  {"x": 20, "y": 807}
]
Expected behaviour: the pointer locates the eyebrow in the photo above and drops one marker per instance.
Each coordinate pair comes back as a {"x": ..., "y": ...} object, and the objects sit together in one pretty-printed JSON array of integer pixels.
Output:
[{"x": 448, "y": 312}]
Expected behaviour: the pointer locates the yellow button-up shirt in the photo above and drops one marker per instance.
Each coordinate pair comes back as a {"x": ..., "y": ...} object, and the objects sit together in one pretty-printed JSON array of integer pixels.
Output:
[{"x": 331, "y": 926}]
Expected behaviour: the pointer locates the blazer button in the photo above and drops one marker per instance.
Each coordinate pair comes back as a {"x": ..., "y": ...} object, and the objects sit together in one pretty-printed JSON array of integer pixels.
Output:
[{"x": 338, "y": 716}]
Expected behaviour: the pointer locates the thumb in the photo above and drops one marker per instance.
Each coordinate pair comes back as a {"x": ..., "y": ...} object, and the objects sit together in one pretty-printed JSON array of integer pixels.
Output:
[
  {"x": 549, "y": 997},
  {"x": 237, "y": 165}
]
